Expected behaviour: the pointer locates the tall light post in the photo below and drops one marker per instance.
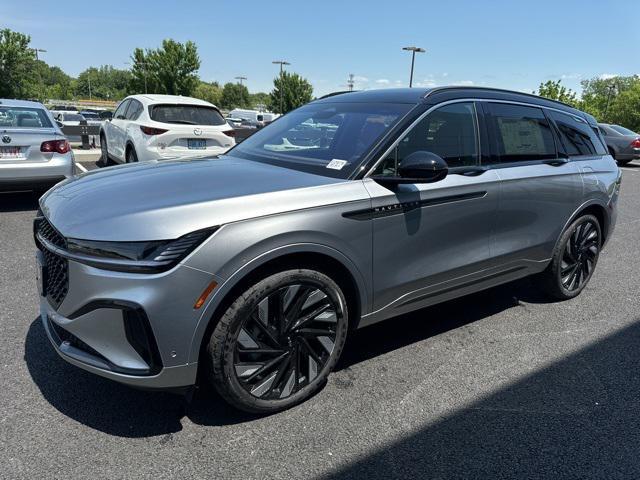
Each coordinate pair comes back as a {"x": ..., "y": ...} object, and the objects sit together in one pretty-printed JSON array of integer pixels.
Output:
[
  {"x": 281, "y": 63},
  {"x": 240, "y": 79},
  {"x": 36, "y": 50},
  {"x": 413, "y": 51},
  {"x": 611, "y": 89},
  {"x": 351, "y": 82}
]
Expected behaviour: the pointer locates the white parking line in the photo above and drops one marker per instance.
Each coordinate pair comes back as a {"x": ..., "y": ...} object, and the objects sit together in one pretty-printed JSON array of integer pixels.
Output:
[{"x": 83, "y": 169}]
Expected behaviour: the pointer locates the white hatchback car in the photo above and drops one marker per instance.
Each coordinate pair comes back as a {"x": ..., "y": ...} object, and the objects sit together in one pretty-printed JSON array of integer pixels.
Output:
[{"x": 153, "y": 127}]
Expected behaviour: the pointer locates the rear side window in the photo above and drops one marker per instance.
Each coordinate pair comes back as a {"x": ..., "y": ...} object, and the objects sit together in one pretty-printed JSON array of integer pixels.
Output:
[
  {"x": 23, "y": 117},
  {"x": 521, "y": 134},
  {"x": 186, "y": 114},
  {"x": 576, "y": 135},
  {"x": 134, "y": 110}
]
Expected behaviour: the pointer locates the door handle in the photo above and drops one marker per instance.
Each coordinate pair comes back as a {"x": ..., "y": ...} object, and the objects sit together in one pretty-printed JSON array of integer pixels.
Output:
[{"x": 556, "y": 162}]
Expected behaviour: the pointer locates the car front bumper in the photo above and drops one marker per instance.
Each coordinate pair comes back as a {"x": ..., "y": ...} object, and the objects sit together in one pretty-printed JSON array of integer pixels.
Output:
[{"x": 136, "y": 329}]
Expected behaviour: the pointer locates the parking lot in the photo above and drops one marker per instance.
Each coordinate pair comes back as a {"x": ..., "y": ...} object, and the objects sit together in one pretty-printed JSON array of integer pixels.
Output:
[{"x": 501, "y": 384}]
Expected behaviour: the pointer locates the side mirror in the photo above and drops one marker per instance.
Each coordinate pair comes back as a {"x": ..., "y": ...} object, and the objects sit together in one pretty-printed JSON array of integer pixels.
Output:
[
  {"x": 418, "y": 167},
  {"x": 59, "y": 123}
]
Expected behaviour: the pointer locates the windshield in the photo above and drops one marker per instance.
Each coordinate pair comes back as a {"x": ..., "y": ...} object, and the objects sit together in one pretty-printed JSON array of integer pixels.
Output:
[
  {"x": 90, "y": 116},
  {"x": 72, "y": 117},
  {"x": 622, "y": 130},
  {"x": 24, "y": 117},
  {"x": 186, "y": 114},
  {"x": 328, "y": 139}
]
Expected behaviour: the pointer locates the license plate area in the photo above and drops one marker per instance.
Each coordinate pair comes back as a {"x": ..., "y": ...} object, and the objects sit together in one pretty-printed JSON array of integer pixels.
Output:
[
  {"x": 196, "y": 144},
  {"x": 11, "y": 153},
  {"x": 41, "y": 274}
]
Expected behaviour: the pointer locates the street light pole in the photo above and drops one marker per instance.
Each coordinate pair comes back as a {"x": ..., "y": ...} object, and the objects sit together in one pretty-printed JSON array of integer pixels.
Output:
[
  {"x": 611, "y": 88},
  {"x": 413, "y": 51},
  {"x": 281, "y": 63},
  {"x": 36, "y": 50},
  {"x": 240, "y": 79},
  {"x": 89, "y": 80}
]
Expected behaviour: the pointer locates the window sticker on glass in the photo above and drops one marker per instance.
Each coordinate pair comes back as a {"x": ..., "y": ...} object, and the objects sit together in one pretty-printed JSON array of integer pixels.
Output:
[{"x": 336, "y": 164}]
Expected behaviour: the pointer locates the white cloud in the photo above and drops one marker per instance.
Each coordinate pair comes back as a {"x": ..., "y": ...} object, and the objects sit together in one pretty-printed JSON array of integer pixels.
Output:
[
  {"x": 383, "y": 81},
  {"x": 464, "y": 83},
  {"x": 571, "y": 76},
  {"x": 360, "y": 79},
  {"x": 607, "y": 76}
]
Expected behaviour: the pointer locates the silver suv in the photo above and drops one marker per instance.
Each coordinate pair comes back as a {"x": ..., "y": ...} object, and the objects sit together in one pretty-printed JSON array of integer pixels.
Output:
[{"x": 253, "y": 267}]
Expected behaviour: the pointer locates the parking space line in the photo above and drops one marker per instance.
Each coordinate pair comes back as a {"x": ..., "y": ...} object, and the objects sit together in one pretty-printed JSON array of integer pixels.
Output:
[
  {"x": 627, "y": 169},
  {"x": 83, "y": 169}
]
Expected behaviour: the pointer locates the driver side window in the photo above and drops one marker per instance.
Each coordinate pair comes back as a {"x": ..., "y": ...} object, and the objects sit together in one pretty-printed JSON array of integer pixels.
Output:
[
  {"x": 122, "y": 108},
  {"x": 450, "y": 132}
]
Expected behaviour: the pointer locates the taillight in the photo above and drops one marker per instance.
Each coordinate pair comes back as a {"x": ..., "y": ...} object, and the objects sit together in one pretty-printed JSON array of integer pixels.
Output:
[
  {"x": 152, "y": 130},
  {"x": 57, "y": 146},
  {"x": 230, "y": 133},
  {"x": 636, "y": 143}
]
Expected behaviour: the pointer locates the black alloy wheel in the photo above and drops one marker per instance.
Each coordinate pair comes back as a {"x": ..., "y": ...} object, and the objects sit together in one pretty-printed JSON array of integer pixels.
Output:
[
  {"x": 580, "y": 255},
  {"x": 282, "y": 338},
  {"x": 574, "y": 259}
]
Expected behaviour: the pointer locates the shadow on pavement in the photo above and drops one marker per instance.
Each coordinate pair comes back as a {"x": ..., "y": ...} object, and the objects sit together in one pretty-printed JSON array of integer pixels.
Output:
[
  {"x": 19, "y": 201},
  {"x": 122, "y": 411},
  {"x": 577, "y": 418}
]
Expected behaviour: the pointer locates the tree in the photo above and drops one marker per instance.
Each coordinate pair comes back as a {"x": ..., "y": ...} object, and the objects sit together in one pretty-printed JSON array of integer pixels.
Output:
[
  {"x": 210, "y": 92},
  {"x": 171, "y": 69},
  {"x": 613, "y": 100},
  {"x": 259, "y": 100},
  {"x": 16, "y": 62},
  {"x": 554, "y": 90},
  {"x": 105, "y": 82},
  {"x": 290, "y": 91},
  {"x": 234, "y": 95}
]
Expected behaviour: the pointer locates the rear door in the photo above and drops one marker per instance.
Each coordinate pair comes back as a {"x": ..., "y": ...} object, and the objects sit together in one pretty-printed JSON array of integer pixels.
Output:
[
  {"x": 116, "y": 131},
  {"x": 540, "y": 187}
]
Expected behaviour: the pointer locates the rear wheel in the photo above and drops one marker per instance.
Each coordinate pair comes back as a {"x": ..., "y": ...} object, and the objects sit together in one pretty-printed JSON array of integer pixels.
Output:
[
  {"x": 104, "y": 152},
  {"x": 574, "y": 259},
  {"x": 131, "y": 156},
  {"x": 277, "y": 343}
]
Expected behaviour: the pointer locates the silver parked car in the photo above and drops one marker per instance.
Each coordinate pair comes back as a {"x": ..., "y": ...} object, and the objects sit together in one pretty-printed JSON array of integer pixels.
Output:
[
  {"x": 350, "y": 210},
  {"x": 34, "y": 152},
  {"x": 623, "y": 144}
]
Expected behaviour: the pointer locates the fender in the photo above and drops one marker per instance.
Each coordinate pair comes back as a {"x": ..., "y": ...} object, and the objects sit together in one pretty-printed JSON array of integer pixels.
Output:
[
  {"x": 589, "y": 203},
  {"x": 222, "y": 290}
]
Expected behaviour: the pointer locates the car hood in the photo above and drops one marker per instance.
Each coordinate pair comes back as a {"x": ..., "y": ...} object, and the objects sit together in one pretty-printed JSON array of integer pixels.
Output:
[{"x": 166, "y": 199}]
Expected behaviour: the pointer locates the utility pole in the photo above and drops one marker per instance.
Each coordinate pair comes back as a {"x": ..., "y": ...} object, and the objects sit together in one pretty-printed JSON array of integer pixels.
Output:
[
  {"x": 89, "y": 80},
  {"x": 611, "y": 88},
  {"x": 413, "y": 51},
  {"x": 240, "y": 79},
  {"x": 281, "y": 63},
  {"x": 36, "y": 50},
  {"x": 351, "y": 82}
]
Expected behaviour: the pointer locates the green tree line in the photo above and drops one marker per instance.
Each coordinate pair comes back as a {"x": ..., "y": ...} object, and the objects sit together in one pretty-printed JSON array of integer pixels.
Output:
[
  {"x": 611, "y": 100},
  {"x": 170, "y": 69}
]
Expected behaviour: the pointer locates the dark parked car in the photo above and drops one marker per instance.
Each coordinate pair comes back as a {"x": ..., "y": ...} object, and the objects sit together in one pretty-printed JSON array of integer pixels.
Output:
[
  {"x": 252, "y": 268},
  {"x": 622, "y": 143}
]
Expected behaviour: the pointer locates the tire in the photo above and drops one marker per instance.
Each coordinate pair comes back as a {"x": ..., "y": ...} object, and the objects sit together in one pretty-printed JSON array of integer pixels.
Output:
[
  {"x": 263, "y": 362},
  {"x": 104, "y": 152},
  {"x": 622, "y": 163},
  {"x": 574, "y": 259},
  {"x": 131, "y": 156}
]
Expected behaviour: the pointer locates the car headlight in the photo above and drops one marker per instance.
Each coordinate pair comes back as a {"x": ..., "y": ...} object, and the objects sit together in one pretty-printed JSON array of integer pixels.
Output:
[{"x": 143, "y": 257}]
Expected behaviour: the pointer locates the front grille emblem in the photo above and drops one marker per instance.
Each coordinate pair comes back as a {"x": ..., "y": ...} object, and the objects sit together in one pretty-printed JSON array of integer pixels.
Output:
[
  {"x": 6, "y": 139},
  {"x": 197, "y": 131}
]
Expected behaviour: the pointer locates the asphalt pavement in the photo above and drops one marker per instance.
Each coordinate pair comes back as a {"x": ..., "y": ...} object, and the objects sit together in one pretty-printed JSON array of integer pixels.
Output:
[{"x": 501, "y": 384}]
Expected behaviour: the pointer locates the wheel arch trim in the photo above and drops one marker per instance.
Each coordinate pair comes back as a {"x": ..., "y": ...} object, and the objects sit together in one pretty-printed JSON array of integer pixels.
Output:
[
  {"x": 221, "y": 293},
  {"x": 589, "y": 204}
]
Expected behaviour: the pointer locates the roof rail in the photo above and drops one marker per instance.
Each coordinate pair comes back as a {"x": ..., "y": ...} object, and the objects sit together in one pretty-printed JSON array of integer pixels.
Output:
[
  {"x": 504, "y": 90},
  {"x": 333, "y": 94}
]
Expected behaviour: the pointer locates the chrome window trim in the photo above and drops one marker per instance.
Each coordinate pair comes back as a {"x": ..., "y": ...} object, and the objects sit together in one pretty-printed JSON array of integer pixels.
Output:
[{"x": 460, "y": 100}]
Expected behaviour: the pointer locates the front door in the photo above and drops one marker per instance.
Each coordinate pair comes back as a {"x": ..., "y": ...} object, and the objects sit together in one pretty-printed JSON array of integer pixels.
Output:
[{"x": 431, "y": 238}]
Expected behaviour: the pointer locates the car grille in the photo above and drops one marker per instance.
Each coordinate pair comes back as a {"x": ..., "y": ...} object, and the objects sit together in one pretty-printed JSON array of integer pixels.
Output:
[{"x": 56, "y": 281}]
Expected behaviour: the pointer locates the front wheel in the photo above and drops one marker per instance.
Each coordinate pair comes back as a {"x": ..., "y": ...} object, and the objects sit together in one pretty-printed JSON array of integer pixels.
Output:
[
  {"x": 574, "y": 259},
  {"x": 131, "y": 155},
  {"x": 277, "y": 343},
  {"x": 104, "y": 152}
]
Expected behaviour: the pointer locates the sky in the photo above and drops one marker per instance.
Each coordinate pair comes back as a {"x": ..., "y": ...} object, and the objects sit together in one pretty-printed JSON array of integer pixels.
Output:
[{"x": 506, "y": 44}]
